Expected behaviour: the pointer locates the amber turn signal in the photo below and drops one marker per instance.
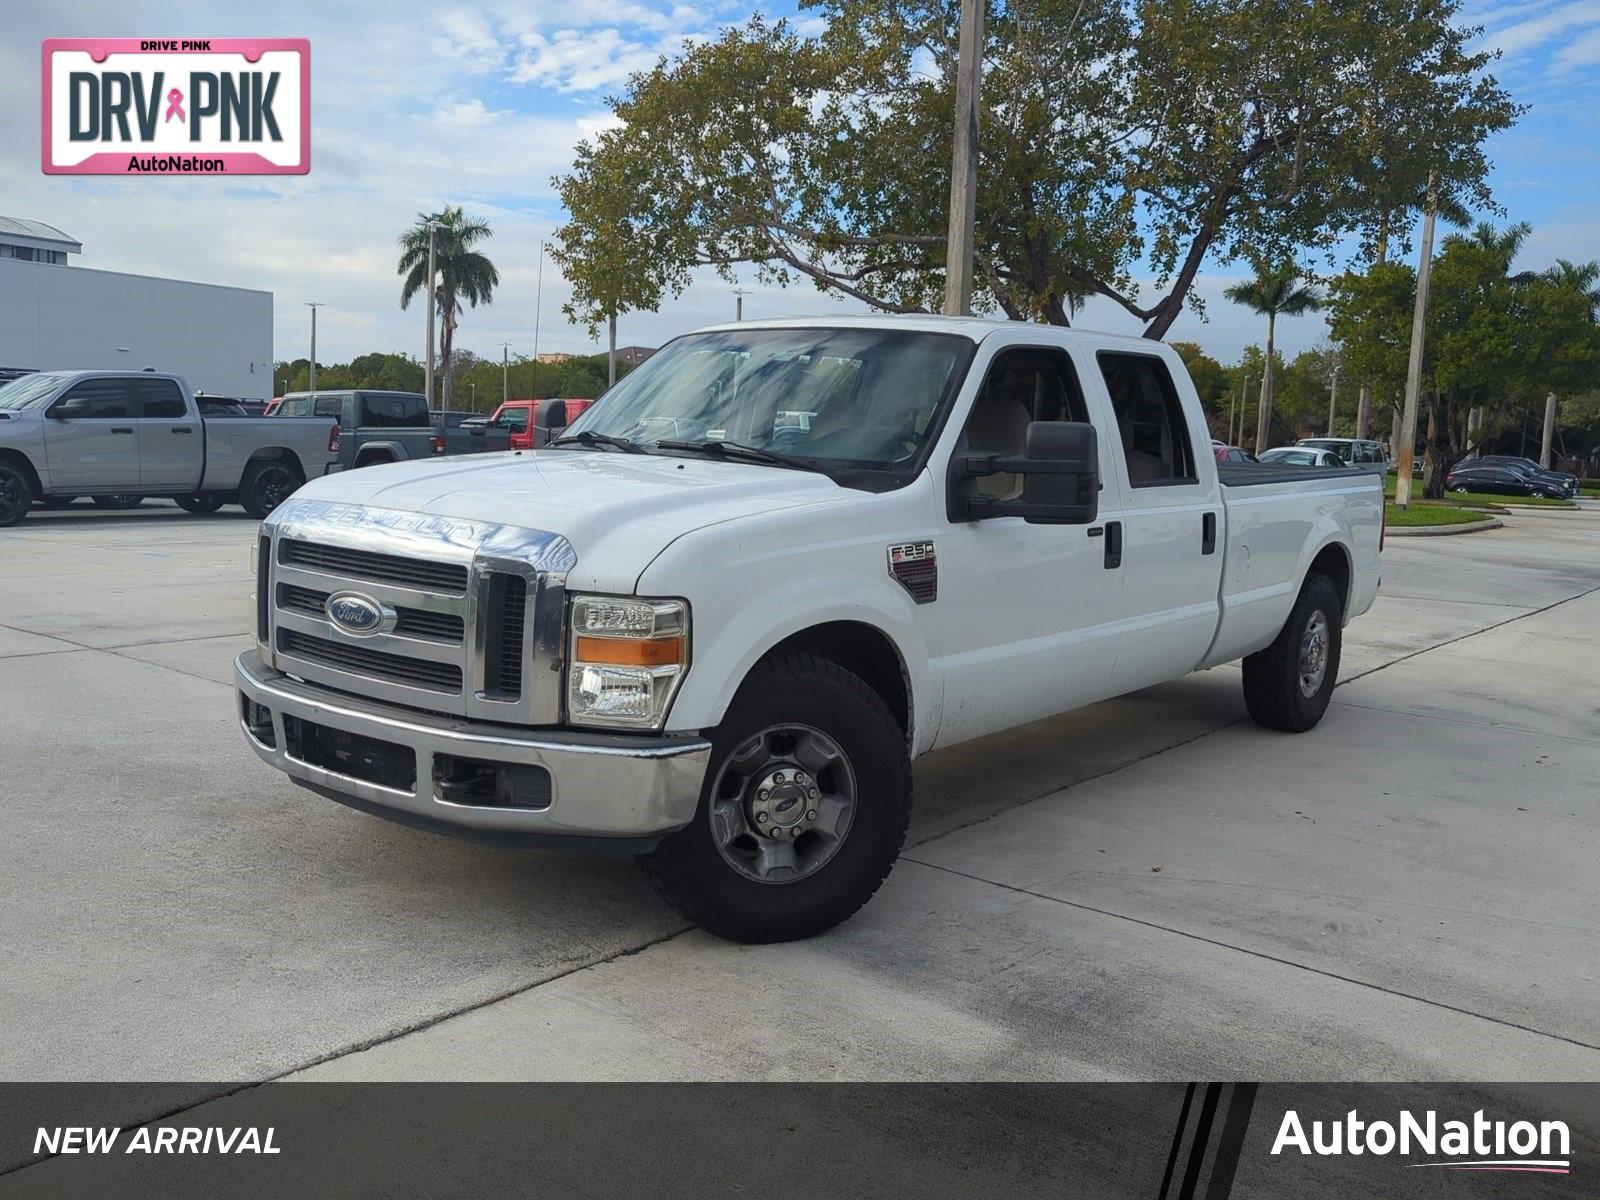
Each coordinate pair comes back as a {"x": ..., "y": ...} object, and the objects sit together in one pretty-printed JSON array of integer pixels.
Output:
[{"x": 629, "y": 652}]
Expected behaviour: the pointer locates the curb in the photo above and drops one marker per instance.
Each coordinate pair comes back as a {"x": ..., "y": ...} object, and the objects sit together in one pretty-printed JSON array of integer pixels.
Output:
[{"x": 1445, "y": 530}]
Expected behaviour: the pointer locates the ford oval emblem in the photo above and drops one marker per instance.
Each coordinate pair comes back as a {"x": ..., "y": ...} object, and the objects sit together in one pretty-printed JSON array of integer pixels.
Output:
[{"x": 354, "y": 613}]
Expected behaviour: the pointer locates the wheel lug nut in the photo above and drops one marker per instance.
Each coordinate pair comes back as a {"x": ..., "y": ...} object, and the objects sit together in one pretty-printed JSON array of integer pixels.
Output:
[
  {"x": 762, "y": 817},
  {"x": 812, "y": 793},
  {"x": 811, "y": 815},
  {"x": 764, "y": 793},
  {"x": 777, "y": 777}
]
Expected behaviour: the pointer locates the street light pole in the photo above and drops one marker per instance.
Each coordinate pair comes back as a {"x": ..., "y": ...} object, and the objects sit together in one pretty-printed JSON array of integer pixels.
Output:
[
  {"x": 505, "y": 371},
  {"x": 313, "y": 305},
  {"x": 964, "y": 163},
  {"x": 427, "y": 370},
  {"x": 738, "y": 303},
  {"x": 1419, "y": 328},
  {"x": 538, "y": 308}
]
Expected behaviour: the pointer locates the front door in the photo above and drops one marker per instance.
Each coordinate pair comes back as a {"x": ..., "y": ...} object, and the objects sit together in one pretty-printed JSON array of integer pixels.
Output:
[
  {"x": 171, "y": 438},
  {"x": 95, "y": 448},
  {"x": 1172, "y": 521},
  {"x": 1027, "y": 613}
]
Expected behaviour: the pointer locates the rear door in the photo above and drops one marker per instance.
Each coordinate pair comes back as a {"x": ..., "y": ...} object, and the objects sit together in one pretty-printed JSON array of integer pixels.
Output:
[
  {"x": 98, "y": 449},
  {"x": 171, "y": 438},
  {"x": 1172, "y": 518}
]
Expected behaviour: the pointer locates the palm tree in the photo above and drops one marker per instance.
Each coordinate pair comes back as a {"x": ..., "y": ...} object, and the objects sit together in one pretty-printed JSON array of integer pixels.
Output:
[
  {"x": 1581, "y": 277},
  {"x": 461, "y": 273},
  {"x": 1274, "y": 290}
]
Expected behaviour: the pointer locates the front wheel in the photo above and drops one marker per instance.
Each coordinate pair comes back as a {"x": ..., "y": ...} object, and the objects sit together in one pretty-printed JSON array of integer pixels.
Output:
[
  {"x": 118, "y": 500},
  {"x": 266, "y": 485},
  {"x": 200, "y": 503},
  {"x": 16, "y": 494},
  {"x": 1288, "y": 685},
  {"x": 803, "y": 810}
]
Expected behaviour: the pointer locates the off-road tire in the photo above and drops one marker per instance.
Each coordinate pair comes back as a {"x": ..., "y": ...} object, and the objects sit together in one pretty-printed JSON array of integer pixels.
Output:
[
  {"x": 689, "y": 869},
  {"x": 259, "y": 492},
  {"x": 1272, "y": 691}
]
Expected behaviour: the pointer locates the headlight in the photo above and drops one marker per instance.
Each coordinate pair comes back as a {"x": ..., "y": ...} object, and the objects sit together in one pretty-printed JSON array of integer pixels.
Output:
[{"x": 625, "y": 659}]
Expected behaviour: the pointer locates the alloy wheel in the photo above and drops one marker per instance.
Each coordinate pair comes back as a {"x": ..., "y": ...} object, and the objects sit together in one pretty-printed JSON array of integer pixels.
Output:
[{"x": 783, "y": 803}]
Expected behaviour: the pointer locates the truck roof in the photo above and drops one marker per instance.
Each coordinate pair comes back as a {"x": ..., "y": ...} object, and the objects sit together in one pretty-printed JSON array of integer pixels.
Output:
[{"x": 976, "y": 328}]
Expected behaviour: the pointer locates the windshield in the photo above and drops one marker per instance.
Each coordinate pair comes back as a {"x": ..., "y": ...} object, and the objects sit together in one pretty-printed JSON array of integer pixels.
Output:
[
  {"x": 29, "y": 390},
  {"x": 855, "y": 398}
]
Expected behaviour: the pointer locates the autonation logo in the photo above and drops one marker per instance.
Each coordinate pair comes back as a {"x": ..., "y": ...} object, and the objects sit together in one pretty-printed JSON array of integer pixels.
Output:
[{"x": 1476, "y": 1145}]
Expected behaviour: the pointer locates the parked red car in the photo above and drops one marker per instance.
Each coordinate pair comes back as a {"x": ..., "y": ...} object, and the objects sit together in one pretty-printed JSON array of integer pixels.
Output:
[{"x": 533, "y": 423}]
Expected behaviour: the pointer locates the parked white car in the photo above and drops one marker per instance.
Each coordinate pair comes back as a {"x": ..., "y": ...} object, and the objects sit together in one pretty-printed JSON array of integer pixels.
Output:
[
  {"x": 724, "y": 649},
  {"x": 1302, "y": 455}
]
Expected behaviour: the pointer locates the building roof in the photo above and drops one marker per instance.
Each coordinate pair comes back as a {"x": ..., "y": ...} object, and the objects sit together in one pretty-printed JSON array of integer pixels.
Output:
[{"x": 38, "y": 231}]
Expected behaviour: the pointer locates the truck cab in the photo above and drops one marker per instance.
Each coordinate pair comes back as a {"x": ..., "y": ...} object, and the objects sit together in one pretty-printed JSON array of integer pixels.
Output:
[
  {"x": 534, "y": 423},
  {"x": 716, "y": 620}
]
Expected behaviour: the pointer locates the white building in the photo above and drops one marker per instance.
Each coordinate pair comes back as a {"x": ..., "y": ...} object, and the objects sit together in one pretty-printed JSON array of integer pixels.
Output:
[{"x": 57, "y": 316}]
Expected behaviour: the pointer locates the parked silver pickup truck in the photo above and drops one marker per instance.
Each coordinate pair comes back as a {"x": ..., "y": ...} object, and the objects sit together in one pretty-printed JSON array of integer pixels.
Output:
[{"x": 107, "y": 433}]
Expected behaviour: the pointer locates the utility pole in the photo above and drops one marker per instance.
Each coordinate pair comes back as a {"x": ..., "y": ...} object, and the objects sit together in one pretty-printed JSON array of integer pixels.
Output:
[
  {"x": 1244, "y": 405},
  {"x": 427, "y": 366},
  {"x": 611, "y": 352},
  {"x": 505, "y": 371},
  {"x": 738, "y": 303},
  {"x": 1549, "y": 429},
  {"x": 1333, "y": 397},
  {"x": 1419, "y": 327},
  {"x": 964, "y": 163},
  {"x": 538, "y": 308},
  {"x": 313, "y": 305},
  {"x": 1233, "y": 404}
]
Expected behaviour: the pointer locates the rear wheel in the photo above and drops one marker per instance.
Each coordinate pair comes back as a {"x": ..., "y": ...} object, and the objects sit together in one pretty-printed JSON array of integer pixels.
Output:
[
  {"x": 1288, "y": 685},
  {"x": 803, "y": 811},
  {"x": 267, "y": 484},
  {"x": 16, "y": 494},
  {"x": 118, "y": 500},
  {"x": 200, "y": 502}
]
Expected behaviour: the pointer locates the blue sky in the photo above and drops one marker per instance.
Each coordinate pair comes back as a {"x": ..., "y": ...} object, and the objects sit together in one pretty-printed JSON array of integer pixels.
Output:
[{"x": 418, "y": 104}]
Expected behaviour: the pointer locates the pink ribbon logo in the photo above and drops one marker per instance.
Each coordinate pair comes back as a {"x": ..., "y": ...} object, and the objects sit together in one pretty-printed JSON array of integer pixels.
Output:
[{"x": 175, "y": 105}]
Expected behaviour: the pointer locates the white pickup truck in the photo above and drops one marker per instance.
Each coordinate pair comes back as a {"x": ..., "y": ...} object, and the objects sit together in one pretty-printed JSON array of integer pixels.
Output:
[
  {"x": 113, "y": 434},
  {"x": 715, "y": 622}
]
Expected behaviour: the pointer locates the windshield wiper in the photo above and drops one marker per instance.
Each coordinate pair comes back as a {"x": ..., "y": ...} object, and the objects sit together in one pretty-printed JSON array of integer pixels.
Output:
[
  {"x": 589, "y": 437},
  {"x": 739, "y": 450}
]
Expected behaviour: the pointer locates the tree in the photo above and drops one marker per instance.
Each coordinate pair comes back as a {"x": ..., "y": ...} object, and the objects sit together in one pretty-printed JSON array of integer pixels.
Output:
[
  {"x": 1116, "y": 139},
  {"x": 1274, "y": 291},
  {"x": 462, "y": 273},
  {"x": 1210, "y": 380}
]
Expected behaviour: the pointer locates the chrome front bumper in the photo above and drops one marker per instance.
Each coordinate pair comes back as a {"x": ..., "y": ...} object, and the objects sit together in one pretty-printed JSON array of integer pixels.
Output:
[{"x": 601, "y": 786}]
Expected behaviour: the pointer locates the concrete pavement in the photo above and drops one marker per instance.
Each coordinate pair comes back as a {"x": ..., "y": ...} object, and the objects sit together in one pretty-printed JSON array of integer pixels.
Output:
[{"x": 1407, "y": 892}]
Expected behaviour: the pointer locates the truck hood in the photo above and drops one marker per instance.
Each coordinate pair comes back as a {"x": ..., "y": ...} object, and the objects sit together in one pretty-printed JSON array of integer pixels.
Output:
[{"x": 618, "y": 510}]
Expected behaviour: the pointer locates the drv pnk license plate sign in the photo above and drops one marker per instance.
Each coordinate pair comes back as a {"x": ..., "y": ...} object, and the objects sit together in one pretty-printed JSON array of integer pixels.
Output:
[{"x": 150, "y": 106}]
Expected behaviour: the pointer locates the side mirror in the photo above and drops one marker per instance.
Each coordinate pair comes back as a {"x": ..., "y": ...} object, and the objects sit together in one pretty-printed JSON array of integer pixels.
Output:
[
  {"x": 77, "y": 406},
  {"x": 1060, "y": 470}
]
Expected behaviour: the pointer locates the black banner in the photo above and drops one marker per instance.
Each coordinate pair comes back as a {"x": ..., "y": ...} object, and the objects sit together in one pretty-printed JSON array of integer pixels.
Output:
[{"x": 1017, "y": 1141}]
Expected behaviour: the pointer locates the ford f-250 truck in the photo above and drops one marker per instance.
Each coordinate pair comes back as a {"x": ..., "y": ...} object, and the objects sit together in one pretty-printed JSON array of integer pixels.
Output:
[
  {"x": 107, "y": 433},
  {"x": 717, "y": 619}
]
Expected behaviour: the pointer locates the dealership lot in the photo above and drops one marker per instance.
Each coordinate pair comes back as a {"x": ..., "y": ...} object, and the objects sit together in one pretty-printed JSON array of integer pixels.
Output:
[{"x": 1151, "y": 888}]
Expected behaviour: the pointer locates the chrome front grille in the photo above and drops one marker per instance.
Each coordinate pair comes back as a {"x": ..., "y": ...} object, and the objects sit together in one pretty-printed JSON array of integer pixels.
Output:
[{"x": 473, "y": 612}]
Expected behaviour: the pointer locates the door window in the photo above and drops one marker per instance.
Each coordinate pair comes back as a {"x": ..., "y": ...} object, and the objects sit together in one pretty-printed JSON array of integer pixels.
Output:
[
  {"x": 1021, "y": 386},
  {"x": 514, "y": 419},
  {"x": 159, "y": 398},
  {"x": 108, "y": 398},
  {"x": 327, "y": 406},
  {"x": 1155, "y": 437}
]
